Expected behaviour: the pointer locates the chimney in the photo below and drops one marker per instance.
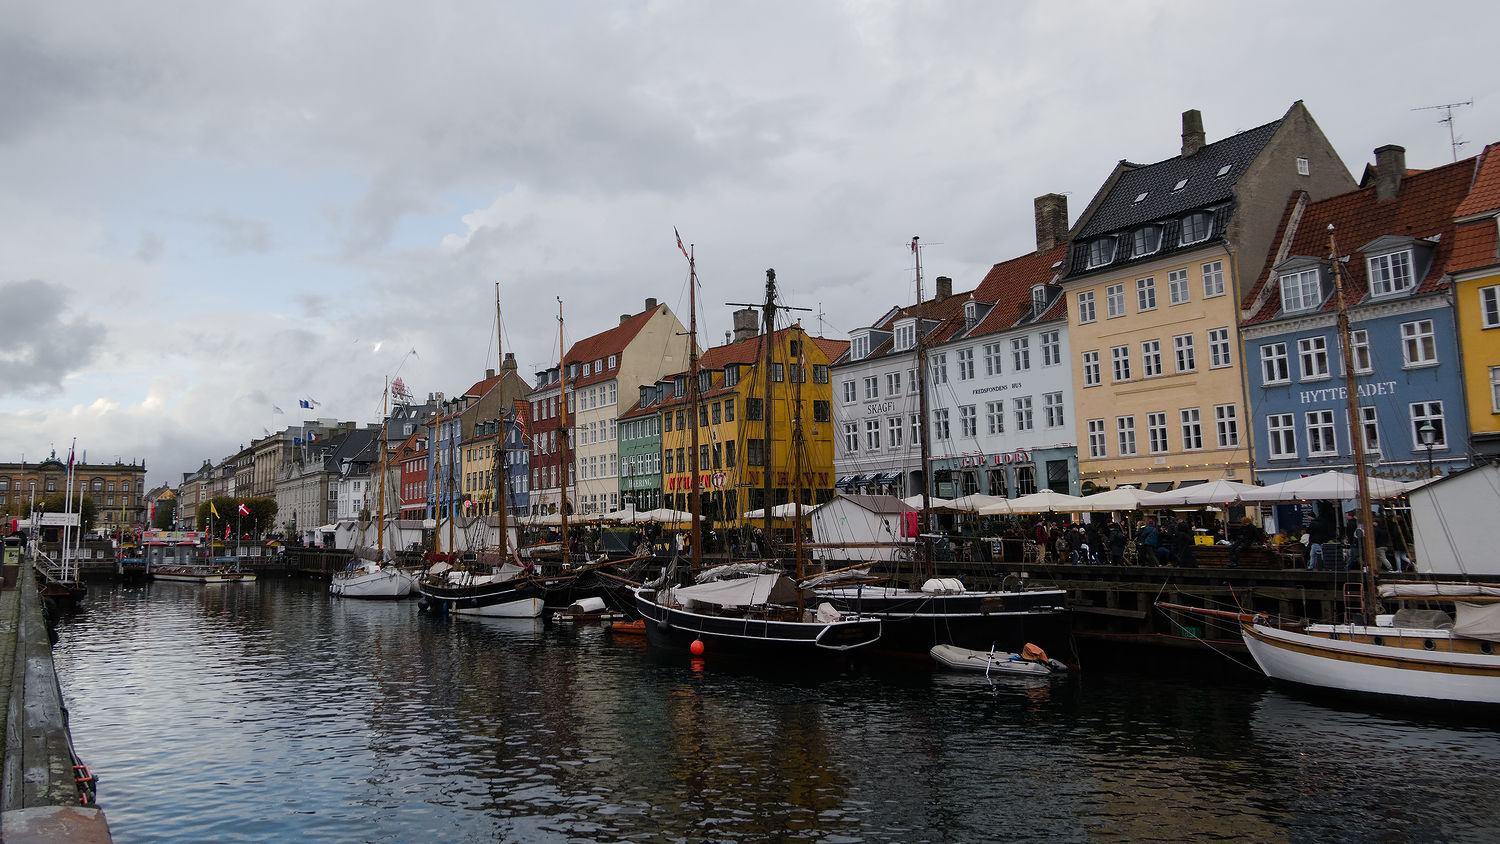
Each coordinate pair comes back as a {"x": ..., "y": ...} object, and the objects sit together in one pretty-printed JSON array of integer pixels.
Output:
[
  {"x": 624, "y": 317},
  {"x": 488, "y": 374},
  {"x": 1192, "y": 132},
  {"x": 650, "y": 303},
  {"x": 944, "y": 288},
  {"x": 509, "y": 365},
  {"x": 1051, "y": 220},
  {"x": 1390, "y": 167},
  {"x": 745, "y": 325}
]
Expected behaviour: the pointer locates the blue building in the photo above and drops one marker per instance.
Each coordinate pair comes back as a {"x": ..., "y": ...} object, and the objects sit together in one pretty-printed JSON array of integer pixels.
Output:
[
  {"x": 518, "y": 461},
  {"x": 1392, "y": 239}
]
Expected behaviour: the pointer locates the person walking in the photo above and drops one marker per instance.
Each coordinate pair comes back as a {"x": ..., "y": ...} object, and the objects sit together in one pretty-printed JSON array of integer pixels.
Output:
[{"x": 1148, "y": 540}]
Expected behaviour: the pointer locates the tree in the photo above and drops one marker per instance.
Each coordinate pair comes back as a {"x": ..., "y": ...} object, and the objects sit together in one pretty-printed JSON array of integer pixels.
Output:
[
  {"x": 83, "y": 505},
  {"x": 166, "y": 513},
  {"x": 261, "y": 518}
]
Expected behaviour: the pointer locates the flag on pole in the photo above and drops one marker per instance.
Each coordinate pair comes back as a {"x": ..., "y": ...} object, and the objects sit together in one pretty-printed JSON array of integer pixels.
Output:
[
  {"x": 679, "y": 244},
  {"x": 244, "y": 510},
  {"x": 213, "y": 509},
  {"x": 226, "y": 531},
  {"x": 304, "y": 403},
  {"x": 275, "y": 409}
]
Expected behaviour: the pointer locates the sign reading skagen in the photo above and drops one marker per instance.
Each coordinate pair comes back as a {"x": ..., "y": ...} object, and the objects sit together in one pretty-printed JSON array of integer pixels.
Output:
[
  {"x": 876, "y": 408},
  {"x": 1017, "y": 456}
]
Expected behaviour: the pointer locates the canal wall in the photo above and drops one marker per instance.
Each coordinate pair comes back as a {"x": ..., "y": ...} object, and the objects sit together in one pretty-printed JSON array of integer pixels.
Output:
[{"x": 43, "y": 796}]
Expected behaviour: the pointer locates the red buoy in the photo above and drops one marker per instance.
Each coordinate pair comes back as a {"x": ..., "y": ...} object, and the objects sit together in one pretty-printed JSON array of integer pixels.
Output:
[{"x": 696, "y": 647}]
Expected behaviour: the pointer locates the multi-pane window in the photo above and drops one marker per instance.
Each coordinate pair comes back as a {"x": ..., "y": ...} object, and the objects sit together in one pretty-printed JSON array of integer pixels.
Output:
[
  {"x": 1320, "y": 442},
  {"x": 905, "y": 336},
  {"x": 1020, "y": 353},
  {"x": 820, "y": 374},
  {"x": 994, "y": 414},
  {"x": 1192, "y": 429},
  {"x": 1177, "y": 287},
  {"x": 1428, "y": 413},
  {"x": 1096, "y": 438},
  {"x": 1156, "y": 432},
  {"x": 1227, "y": 422},
  {"x": 1359, "y": 350},
  {"x": 1213, "y": 279},
  {"x": 822, "y": 412},
  {"x": 1091, "y": 377},
  {"x": 1418, "y": 343},
  {"x": 1145, "y": 240},
  {"x": 1150, "y": 358},
  {"x": 872, "y": 434},
  {"x": 1218, "y": 348},
  {"x": 940, "y": 428},
  {"x": 1312, "y": 354},
  {"x": 1125, "y": 434},
  {"x": 893, "y": 383},
  {"x": 1114, "y": 300},
  {"x": 894, "y": 426},
  {"x": 1086, "y": 312},
  {"x": 911, "y": 380},
  {"x": 1101, "y": 251},
  {"x": 1196, "y": 227},
  {"x": 1300, "y": 291},
  {"x": 992, "y": 353},
  {"x": 1051, "y": 348},
  {"x": 1390, "y": 273},
  {"x": 1145, "y": 294},
  {"x": 1281, "y": 436},
  {"x": 1489, "y": 306},
  {"x": 968, "y": 425},
  {"x": 1273, "y": 364},
  {"x": 1495, "y": 389},
  {"x": 1053, "y": 405},
  {"x": 940, "y": 369},
  {"x": 965, "y": 361},
  {"x": 851, "y": 393},
  {"x": 872, "y": 388},
  {"x": 1022, "y": 407},
  {"x": 1182, "y": 350},
  {"x": 1370, "y": 428},
  {"x": 1120, "y": 357},
  {"x": 916, "y": 427}
]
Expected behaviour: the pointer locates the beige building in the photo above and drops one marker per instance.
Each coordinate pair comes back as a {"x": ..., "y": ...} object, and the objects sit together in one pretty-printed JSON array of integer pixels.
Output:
[
  {"x": 118, "y": 490},
  {"x": 1159, "y": 263}
]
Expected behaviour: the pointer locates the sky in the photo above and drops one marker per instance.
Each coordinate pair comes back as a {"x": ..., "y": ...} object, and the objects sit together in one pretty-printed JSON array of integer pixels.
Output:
[{"x": 212, "y": 211}]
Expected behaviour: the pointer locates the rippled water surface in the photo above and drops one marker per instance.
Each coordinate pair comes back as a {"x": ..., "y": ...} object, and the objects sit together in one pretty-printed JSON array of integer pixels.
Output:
[{"x": 268, "y": 712}]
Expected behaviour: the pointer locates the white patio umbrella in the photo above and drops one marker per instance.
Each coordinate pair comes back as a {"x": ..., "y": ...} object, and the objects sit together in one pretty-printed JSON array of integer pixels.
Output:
[
  {"x": 974, "y": 503},
  {"x": 664, "y": 514},
  {"x": 938, "y": 505},
  {"x": 780, "y": 511},
  {"x": 1329, "y": 486},
  {"x": 1215, "y": 492},
  {"x": 1120, "y": 498},
  {"x": 1045, "y": 501}
]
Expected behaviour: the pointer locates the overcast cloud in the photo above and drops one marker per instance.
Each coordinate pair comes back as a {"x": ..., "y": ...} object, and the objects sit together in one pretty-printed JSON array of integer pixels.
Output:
[{"x": 214, "y": 209}]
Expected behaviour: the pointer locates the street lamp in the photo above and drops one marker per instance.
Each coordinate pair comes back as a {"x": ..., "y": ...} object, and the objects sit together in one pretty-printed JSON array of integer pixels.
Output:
[{"x": 1429, "y": 438}]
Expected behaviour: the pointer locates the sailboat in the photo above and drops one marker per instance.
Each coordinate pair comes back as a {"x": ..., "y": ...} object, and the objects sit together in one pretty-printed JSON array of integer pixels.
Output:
[
  {"x": 507, "y": 589},
  {"x": 1412, "y": 654},
  {"x": 941, "y": 610},
  {"x": 371, "y": 575},
  {"x": 751, "y": 609}
]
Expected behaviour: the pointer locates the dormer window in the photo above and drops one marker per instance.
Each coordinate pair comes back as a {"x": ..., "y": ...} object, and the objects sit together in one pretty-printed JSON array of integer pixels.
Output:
[
  {"x": 859, "y": 346},
  {"x": 1197, "y": 227},
  {"x": 1300, "y": 291},
  {"x": 1101, "y": 251},
  {"x": 971, "y": 313},
  {"x": 585, "y": 370},
  {"x": 613, "y": 361},
  {"x": 906, "y": 332},
  {"x": 1145, "y": 240},
  {"x": 1038, "y": 300},
  {"x": 731, "y": 374},
  {"x": 1390, "y": 274},
  {"x": 705, "y": 381},
  {"x": 679, "y": 386}
]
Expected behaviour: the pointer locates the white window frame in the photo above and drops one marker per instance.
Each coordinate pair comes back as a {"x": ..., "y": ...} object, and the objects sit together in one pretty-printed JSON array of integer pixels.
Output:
[
  {"x": 872, "y": 388},
  {"x": 1151, "y": 358},
  {"x": 1418, "y": 344},
  {"x": 893, "y": 383},
  {"x": 940, "y": 429},
  {"x": 1101, "y": 251},
  {"x": 1274, "y": 366},
  {"x": 1321, "y": 441},
  {"x": 1114, "y": 300},
  {"x": 1053, "y": 413},
  {"x": 965, "y": 361},
  {"x": 1220, "y": 349},
  {"x": 1051, "y": 343},
  {"x": 1369, "y": 424},
  {"x": 968, "y": 422},
  {"x": 851, "y": 391},
  {"x": 1020, "y": 353},
  {"x": 1213, "y": 279},
  {"x": 1359, "y": 351},
  {"x": 1190, "y": 420},
  {"x": 1097, "y": 443},
  {"x": 1156, "y": 432},
  {"x": 1091, "y": 371},
  {"x": 851, "y": 437},
  {"x": 1208, "y": 227},
  {"x": 1086, "y": 310},
  {"x": 1179, "y": 287},
  {"x": 872, "y": 434},
  {"x": 1145, "y": 294},
  {"x": 1427, "y": 411},
  {"x": 1391, "y": 274},
  {"x": 994, "y": 414},
  {"x": 1300, "y": 291},
  {"x": 1281, "y": 436},
  {"x": 1489, "y": 306},
  {"x": 1185, "y": 353},
  {"x": 1312, "y": 359},
  {"x": 939, "y": 365},
  {"x": 1119, "y": 358},
  {"x": 1495, "y": 389},
  {"x": 1227, "y": 425},
  {"x": 894, "y": 428},
  {"x": 1025, "y": 420},
  {"x": 1125, "y": 435},
  {"x": 993, "y": 352},
  {"x": 905, "y": 336}
]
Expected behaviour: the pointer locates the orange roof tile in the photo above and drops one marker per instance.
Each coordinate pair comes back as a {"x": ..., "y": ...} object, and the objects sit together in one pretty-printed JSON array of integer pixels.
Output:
[
  {"x": 606, "y": 343},
  {"x": 1484, "y": 196}
]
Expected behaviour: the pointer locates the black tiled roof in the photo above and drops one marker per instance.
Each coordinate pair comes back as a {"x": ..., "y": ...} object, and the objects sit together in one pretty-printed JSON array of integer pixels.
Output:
[{"x": 1119, "y": 211}]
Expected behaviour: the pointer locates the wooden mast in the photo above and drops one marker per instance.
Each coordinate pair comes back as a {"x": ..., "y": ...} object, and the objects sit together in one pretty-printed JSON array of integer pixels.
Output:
[
  {"x": 385, "y": 406},
  {"x": 502, "y": 481},
  {"x": 562, "y": 434},
  {"x": 1356, "y": 428},
  {"x": 924, "y": 516},
  {"x": 796, "y": 370},
  {"x": 695, "y": 531}
]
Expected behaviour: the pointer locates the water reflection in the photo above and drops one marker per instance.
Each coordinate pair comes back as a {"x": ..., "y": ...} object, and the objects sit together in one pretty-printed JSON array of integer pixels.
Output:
[{"x": 267, "y": 711}]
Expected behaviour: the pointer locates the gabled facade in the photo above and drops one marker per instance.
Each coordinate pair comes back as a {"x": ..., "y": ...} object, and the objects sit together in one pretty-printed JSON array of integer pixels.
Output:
[
  {"x": 1154, "y": 276},
  {"x": 1394, "y": 241},
  {"x": 1001, "y": 384},
  {"x": 455, "y": 423},
  {"x": 517, "y": 461},
  {"x": 640, "y": 451},
  {"x": 411, "y": 459},
  {"x": 548, "y": 474},
  {"x": 1475, "y": 266}
]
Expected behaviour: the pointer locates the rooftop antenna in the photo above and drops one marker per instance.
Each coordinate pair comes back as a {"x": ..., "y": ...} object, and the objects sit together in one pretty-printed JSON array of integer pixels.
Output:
[{"x": 1447, "y": 109}]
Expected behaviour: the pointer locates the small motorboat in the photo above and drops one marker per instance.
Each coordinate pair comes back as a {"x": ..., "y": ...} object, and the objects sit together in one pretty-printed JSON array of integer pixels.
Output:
[{"x": 1032, "y": 661}]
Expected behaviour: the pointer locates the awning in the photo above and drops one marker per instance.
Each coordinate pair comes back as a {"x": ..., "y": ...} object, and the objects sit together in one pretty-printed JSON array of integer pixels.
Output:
[
  {"x": 888, "y": 478},
  {"x": 1186, "y": 484},
  {"x": 845, "y": 482},
  {"x": 860, "y": 480},
  {"x": 1158, "y": 486}
]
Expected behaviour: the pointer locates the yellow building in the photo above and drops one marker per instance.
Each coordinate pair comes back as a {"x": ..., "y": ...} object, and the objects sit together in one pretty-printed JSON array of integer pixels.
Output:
[
  {"x": 478, "y": 468},
  {"x": 1154, "y": 277},
  {"x": 736, "y": 470},
  {"x": 1476, "y": 296}
]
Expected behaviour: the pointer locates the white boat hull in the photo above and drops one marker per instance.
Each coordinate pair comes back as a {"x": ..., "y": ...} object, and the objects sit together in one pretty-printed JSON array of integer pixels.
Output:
[
  {"x": 988, "y": 662},
  {"x": 388, "y": 582},
  {"x": 200, "y": 574},
  {"x": 522, "y": 608},
  {"x": 1315, "y": 658}
]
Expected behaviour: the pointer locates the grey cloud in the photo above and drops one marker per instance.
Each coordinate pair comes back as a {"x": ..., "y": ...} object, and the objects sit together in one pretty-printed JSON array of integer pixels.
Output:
[
  {"x": 238, "y": 235},
  {"x": 42, "y": 346},
  {"x": 150, "y": 248}
]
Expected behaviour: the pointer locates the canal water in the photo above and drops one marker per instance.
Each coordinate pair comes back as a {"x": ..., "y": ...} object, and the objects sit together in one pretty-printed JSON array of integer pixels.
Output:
[{"x": 269, "y": 712}]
